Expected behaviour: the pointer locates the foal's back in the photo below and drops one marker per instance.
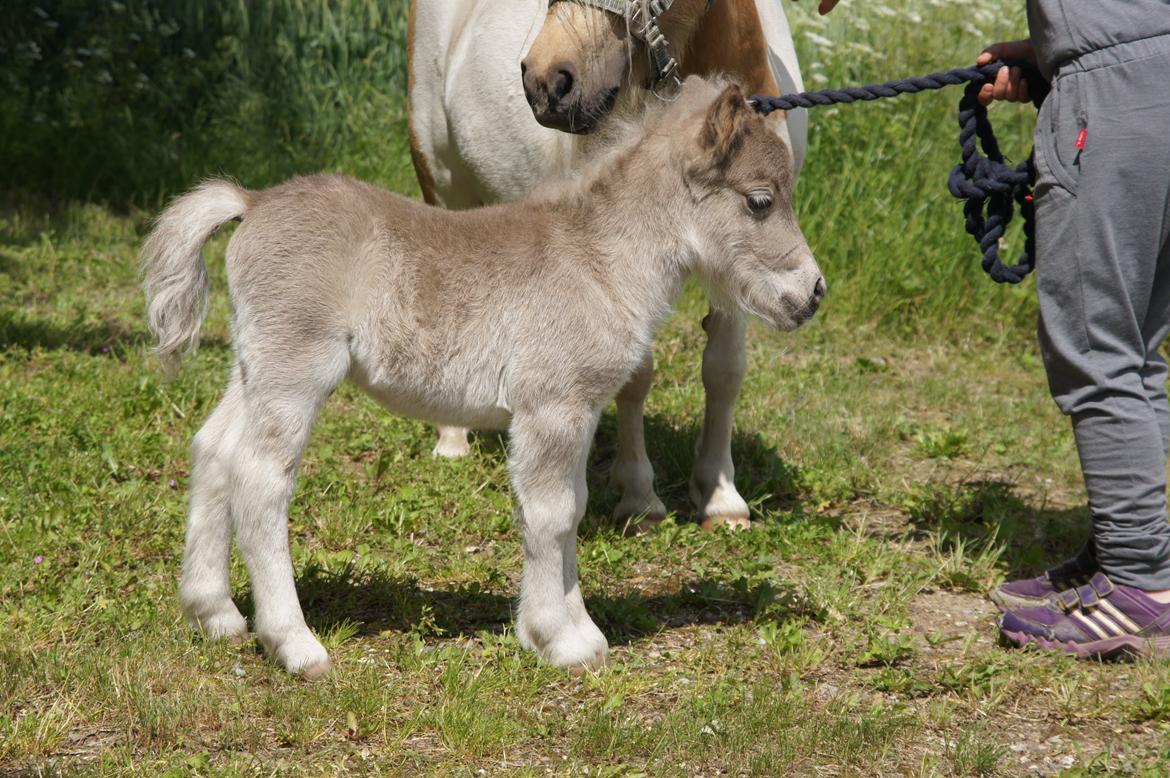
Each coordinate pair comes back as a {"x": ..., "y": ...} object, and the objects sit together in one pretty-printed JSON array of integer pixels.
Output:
[{"x": 338, "y": 241}]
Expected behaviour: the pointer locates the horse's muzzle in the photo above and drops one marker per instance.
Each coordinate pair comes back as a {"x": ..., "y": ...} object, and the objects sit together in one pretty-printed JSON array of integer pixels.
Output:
[{"x": 557, "y": 102}]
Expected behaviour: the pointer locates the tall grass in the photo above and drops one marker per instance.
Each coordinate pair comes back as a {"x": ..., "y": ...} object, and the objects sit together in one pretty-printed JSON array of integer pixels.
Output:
[
  {"x": 127, "y": 102},
  {"x": 872, "y": 196}
]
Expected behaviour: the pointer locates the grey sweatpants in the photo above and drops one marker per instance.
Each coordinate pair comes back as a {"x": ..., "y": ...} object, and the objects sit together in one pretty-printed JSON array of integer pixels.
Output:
[{"x": 1103, "y": 278}]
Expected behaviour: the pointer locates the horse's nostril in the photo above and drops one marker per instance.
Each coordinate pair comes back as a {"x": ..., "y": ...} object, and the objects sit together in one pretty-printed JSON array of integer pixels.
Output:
[
  {"x": 562, "y": 84},
  {"x": 523, "y": 69},
  {"x": 819, "y": 289}
]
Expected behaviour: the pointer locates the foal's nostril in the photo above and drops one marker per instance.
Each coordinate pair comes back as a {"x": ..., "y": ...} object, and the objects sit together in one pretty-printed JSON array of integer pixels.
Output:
[
  {"x": 562, "y": 84},
  {"x": 819, "y": 290}
]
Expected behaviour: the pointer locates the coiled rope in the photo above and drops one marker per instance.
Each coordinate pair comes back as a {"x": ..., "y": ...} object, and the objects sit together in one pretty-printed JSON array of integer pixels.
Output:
[{"x": 990, "y": 188}]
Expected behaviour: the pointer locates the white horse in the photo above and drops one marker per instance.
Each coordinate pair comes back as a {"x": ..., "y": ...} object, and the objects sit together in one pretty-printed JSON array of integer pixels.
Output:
[
  {"x": 528, "y": 316},
  {"x": 475, "y": 140}
]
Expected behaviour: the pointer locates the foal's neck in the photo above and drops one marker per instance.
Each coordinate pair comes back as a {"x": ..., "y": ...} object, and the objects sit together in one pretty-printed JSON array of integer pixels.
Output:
[{"x": 630, "y": 211}]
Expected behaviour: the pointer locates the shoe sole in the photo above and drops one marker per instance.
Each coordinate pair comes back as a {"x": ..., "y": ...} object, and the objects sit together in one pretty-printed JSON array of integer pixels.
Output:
[{"x": 1123, "y": 646}]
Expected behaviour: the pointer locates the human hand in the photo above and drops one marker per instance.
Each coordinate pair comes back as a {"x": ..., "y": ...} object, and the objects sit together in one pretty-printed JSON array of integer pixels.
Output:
[{"x": 1010, "y": 83}]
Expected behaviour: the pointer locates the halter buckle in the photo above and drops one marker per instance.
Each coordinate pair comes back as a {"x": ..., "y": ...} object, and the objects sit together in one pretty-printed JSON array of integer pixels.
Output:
[{"x": 644, "y": 26}]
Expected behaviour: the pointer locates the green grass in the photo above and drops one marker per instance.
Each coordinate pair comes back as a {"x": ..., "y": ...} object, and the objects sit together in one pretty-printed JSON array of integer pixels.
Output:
[
  {"x": 126, "y": 102},
  {"x": 901, "y": 455}
]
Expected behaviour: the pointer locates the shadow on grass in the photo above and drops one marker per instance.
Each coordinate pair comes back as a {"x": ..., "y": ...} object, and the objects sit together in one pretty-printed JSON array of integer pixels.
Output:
[
  {"x": 762, "y": 475},
  {"x": 978, "y": 513},
  {"x": 17, "y": 331},
  {"x": 376, "y": 602},
  {"x": 28, "y": 218},
  {"x": 9, "y": 265}
]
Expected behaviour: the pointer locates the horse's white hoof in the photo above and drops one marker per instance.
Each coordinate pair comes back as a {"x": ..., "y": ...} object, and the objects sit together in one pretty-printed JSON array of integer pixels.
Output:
[
  {"x": 640, "y": 525},
  {"x": 720, "y": 505},
  {"x": 452, "y": 443},
  {"x": 713, "y": 523},
  {"x": 639, "y": 515},
  {"x": 300, "y": 653},
  {"x": 639, "y": 508}
]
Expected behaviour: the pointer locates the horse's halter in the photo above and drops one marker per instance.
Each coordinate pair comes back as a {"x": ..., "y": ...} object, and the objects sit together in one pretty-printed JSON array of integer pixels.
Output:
[{"x": 642, "y": 18}]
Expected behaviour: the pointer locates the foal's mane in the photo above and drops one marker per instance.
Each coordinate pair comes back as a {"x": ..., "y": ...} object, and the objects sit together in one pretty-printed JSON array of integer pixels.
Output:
[{"x": 623, "y": 133}]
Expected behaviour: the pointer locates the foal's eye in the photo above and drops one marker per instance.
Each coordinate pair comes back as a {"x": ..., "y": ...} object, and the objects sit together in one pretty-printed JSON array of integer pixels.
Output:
[{"x": 758, "y": 202}]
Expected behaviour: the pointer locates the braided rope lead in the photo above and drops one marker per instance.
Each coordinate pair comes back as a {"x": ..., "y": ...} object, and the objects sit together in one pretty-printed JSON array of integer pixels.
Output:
[{"x": 989, "y": 187}]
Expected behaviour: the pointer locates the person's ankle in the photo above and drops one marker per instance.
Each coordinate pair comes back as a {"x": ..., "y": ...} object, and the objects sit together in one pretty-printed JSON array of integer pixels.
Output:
[{"x": 1161, "y": 595}]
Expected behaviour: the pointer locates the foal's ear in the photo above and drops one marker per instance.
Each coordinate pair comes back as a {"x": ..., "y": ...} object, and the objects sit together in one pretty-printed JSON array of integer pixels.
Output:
[{"x": 726, "y": 125}]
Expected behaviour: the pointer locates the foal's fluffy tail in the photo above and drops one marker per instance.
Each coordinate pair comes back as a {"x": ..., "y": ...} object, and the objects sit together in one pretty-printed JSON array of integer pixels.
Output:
[{"x": 174, "y": 273}]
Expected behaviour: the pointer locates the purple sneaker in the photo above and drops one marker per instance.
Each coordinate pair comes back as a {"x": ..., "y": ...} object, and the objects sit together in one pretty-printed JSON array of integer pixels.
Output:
[
  {"x": 1034, "y": 592},
  {"x": 1100, "y": 619}
]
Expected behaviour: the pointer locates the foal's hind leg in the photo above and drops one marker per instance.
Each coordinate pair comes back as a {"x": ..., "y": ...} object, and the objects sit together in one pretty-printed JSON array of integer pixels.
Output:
[
  {"x": 547, "y": 463},
  {"x": 204, "y": 589},
  {"x": 713, "y": 479},
  {"x": 632, "y": 472},
  {"x": 281, "y": 409}
]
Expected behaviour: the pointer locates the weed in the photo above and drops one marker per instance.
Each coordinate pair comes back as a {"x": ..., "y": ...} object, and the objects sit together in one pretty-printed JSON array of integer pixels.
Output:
[
  {"x": 974, "y": 754},
  {"x": 1154, "y": 702}
]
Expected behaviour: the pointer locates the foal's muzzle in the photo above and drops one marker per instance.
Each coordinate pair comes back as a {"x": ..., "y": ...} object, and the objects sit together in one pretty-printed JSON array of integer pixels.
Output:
[{"x": 814, "y": 302}]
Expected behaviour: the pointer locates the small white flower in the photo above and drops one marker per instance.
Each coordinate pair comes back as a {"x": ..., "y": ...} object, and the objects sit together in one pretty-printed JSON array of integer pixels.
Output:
[{"x": 819, "y": 40}]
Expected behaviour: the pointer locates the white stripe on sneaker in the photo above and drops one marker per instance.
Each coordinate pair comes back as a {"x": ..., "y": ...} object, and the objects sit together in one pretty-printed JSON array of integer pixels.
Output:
[
  {"x": 1121, "y": 618},
  {"x": 1092, "y": 625},
  {"x": 1107, "y": 622}
]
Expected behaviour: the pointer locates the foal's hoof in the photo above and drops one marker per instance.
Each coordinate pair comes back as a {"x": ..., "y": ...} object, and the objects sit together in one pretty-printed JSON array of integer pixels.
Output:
[
  {"x": 591, "y": 665},
  {"x": 313, "y": 672},
  {"x": 225, "y": 624},
  {"x": 300, "y": 653},
  {"x": 574, "y": 648},
  {"x": 578, "y": 657},
  {"x": 712, "y": 523}
]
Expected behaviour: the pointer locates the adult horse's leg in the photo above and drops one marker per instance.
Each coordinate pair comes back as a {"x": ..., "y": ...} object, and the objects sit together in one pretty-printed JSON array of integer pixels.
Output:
[
  {"x": 452, "y": 442},
  {"x": 713, "y": 479},
  {"x": 549, "y": 449},
  {"x": 632, "y": 472},
  {"x": 204, "y": 589}
]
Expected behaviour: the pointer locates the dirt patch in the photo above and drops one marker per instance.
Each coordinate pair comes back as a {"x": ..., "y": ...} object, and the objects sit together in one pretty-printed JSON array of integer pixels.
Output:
[{"x": 944, "y": 619}]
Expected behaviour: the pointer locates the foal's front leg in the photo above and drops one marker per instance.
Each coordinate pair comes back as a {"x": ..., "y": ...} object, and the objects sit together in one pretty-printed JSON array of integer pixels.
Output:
[
  {"x": 549, "y": 449},
  {"x": 713, "y": 479}
]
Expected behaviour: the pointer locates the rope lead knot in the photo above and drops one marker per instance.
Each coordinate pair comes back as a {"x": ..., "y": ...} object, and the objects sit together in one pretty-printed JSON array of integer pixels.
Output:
[{"x": 990, "y": 188}]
